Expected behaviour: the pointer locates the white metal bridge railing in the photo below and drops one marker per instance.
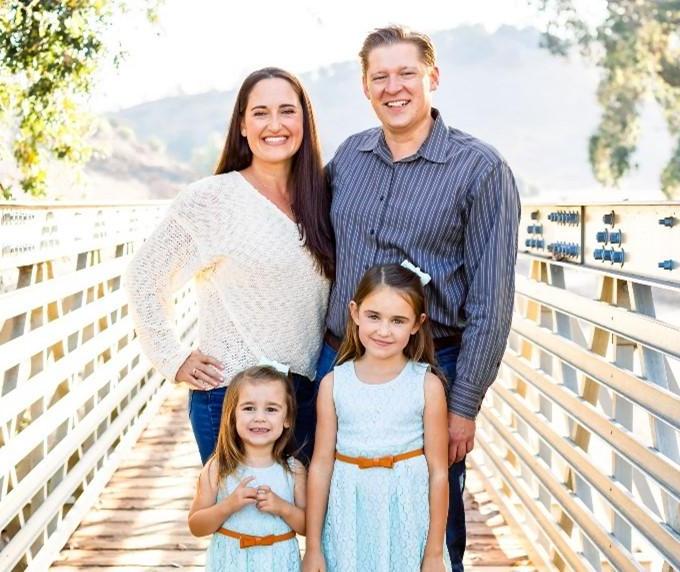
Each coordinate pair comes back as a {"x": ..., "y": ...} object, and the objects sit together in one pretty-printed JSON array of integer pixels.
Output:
[
  {"x": 577, "y": 440},
  {"x": 76, "y": 390},
  {"x": 578, "y": 437}
]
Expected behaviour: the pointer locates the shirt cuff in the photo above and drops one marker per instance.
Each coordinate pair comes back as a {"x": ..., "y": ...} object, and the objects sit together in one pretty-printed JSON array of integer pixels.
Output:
[{"x": 465, "y": 398}]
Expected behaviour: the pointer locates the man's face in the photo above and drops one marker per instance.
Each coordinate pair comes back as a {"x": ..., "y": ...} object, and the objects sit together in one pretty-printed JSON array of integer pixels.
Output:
[{"x": 399, "y": 86}]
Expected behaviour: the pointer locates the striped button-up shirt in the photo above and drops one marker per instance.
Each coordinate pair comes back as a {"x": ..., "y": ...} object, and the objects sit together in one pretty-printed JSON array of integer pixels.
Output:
[{"x": 452, "y": 209}]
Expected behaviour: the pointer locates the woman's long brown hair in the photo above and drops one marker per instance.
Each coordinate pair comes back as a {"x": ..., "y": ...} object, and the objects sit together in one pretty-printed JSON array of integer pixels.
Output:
[
  {"x": 310, "y": 195},
  {"x": 420, "y": 347},
  {"x": 230, "y": 452}
]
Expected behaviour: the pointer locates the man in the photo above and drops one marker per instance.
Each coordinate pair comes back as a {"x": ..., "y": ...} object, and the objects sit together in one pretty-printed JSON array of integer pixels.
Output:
[{"x": 416, "y": 189}]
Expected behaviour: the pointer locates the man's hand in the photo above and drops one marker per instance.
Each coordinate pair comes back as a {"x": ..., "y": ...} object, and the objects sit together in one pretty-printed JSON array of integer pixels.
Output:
[{"x": 461, "y": 437}]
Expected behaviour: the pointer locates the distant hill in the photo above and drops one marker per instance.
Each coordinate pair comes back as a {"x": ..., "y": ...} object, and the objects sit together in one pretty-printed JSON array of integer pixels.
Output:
[
  {"x": 126, "y": 168},
  {"x": 538, "y": 110}
]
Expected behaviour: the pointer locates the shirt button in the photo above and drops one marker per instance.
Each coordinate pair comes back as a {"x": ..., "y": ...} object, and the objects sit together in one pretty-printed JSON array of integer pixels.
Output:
[
  {"x": 372, "y": 232},
  {"x": 365, "y": 266},
  {"x": 382, "y": 197}
]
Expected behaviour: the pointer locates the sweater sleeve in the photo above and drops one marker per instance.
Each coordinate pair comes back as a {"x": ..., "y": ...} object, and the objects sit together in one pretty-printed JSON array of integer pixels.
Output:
[{"x": 165, "y": 262}]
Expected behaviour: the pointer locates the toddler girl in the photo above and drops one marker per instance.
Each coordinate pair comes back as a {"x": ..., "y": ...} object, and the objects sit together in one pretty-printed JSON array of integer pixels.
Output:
[{"x": 251, "y": 493}]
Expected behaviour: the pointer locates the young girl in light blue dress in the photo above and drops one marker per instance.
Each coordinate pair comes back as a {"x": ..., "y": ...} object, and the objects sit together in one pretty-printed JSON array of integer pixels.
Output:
[
  {"x": 378, "y": 481},
  {"x": 251, "y": 494}
]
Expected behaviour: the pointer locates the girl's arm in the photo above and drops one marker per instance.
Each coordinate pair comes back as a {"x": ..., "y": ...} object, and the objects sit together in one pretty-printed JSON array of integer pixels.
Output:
[
  {"x": 292, "y": 513},
  {"x": 206, "y": 515},
  {"x": 320, "y": 473},
  {"x": 435, "y": 420}
]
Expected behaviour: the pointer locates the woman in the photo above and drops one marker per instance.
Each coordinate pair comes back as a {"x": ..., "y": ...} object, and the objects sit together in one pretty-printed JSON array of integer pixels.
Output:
[{"x": 257, "y": 238}]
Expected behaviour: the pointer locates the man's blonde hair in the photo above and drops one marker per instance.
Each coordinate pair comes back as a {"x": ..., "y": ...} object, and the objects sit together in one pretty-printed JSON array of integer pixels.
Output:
[{"x": 395, "y": 34}]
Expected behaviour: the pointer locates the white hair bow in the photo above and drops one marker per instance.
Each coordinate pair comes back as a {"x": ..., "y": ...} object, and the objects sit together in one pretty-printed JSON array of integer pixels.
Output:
[
  {"x": 278, "y": 366},
  {"x": 424, "y": 276}
]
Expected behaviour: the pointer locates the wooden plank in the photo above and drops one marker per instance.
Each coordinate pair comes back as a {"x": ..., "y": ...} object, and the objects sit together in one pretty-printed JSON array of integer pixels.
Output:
[
  {"x": 140, "y": 542},
  {"x": 147, "y": 483},
  {"x": 155, "y": 568},
  {"x": 491, "y": 556},
  {"x": 152, "y": 557}
]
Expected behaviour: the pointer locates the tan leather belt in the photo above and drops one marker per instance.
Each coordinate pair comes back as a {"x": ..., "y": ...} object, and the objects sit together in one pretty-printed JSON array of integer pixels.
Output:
[
  {"x": 386, "y": 462},
  {"x": 248, "y": 540}
]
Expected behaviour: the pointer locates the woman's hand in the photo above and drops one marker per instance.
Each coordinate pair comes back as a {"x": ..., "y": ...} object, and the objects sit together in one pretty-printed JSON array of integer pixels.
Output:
[
  {"x": 200, "y": 371},
  {"x": 433, "y": 563},
  {"x": 313, "y": 561}
]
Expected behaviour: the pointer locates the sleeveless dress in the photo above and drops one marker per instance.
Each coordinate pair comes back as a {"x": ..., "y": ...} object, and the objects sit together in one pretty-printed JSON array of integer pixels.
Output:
[
  {"x": 378, "y": 518},
  {"x": 225, "y": 554}
]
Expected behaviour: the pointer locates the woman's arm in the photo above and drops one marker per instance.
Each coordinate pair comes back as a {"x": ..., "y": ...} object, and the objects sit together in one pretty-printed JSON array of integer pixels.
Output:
[
  {"x": 320, "y": 473},
  {"x": 435, "y": 420},
  {"x": 167, "y": 260},
  {"x": 206, "y": 515},
  {"x": 292, "y": 513}
]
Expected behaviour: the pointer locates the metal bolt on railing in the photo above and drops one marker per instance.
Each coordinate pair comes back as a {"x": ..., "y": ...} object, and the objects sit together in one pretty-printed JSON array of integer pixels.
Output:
[
  {"x": 617, "y": 257},
  {"x": 615, "y": 237}
]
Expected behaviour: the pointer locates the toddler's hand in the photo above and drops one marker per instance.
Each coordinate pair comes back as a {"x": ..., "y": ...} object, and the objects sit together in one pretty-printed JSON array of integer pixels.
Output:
[
  {"x": 242, "y": 495},
  {"x": 313, "y": 561},
  {"x": 269, "y": 501}
]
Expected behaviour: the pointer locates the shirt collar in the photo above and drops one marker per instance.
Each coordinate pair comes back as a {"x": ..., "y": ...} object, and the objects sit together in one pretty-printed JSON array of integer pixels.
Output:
[{"x": 433, "y": 149}]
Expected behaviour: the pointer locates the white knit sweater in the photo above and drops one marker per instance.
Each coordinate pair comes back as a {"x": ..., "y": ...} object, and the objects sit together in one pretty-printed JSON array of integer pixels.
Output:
[{"x": 259, "y": 293}]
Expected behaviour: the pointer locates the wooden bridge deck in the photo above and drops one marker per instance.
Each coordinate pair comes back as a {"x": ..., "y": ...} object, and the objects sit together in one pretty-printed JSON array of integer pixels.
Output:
[{"x": 139, "y": 522}]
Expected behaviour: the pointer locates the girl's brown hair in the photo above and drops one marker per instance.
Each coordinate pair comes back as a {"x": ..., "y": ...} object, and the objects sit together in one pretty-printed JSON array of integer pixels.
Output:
[
  {"x": 310, "y": 195},
  {"x": 420, "y": 347},
  {"x": 230, "y": 452}
]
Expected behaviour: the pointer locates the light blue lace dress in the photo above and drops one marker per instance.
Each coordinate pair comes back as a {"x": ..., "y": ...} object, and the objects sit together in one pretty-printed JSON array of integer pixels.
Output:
[
  {"x": 225, "y": 554},
  {"x": 378, "y": 518}
]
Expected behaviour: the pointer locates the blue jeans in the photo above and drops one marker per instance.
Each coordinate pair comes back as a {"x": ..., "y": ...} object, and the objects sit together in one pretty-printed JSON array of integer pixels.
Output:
[
  {"x": 205, "y": 414},
  {"x": 455, "y": 525}
]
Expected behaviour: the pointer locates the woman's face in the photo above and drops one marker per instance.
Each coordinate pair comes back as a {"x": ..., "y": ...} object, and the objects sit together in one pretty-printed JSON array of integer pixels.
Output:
[{"x": 273, "y": 122}]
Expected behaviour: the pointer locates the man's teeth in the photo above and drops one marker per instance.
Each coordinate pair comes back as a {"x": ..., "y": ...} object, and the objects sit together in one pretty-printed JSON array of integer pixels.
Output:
[{"x": 400, "y": 103}]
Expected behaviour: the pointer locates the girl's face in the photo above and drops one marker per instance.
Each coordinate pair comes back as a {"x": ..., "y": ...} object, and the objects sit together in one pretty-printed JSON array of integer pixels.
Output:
[
  {"x": 261, "y": 413},
  {"x": 386, "y": 322}
]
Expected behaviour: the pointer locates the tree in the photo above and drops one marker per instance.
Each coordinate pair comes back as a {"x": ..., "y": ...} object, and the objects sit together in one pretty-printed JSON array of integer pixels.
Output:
[
  {"x": 637, "y": 46},
  {"x": 49, "y": 53}
]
